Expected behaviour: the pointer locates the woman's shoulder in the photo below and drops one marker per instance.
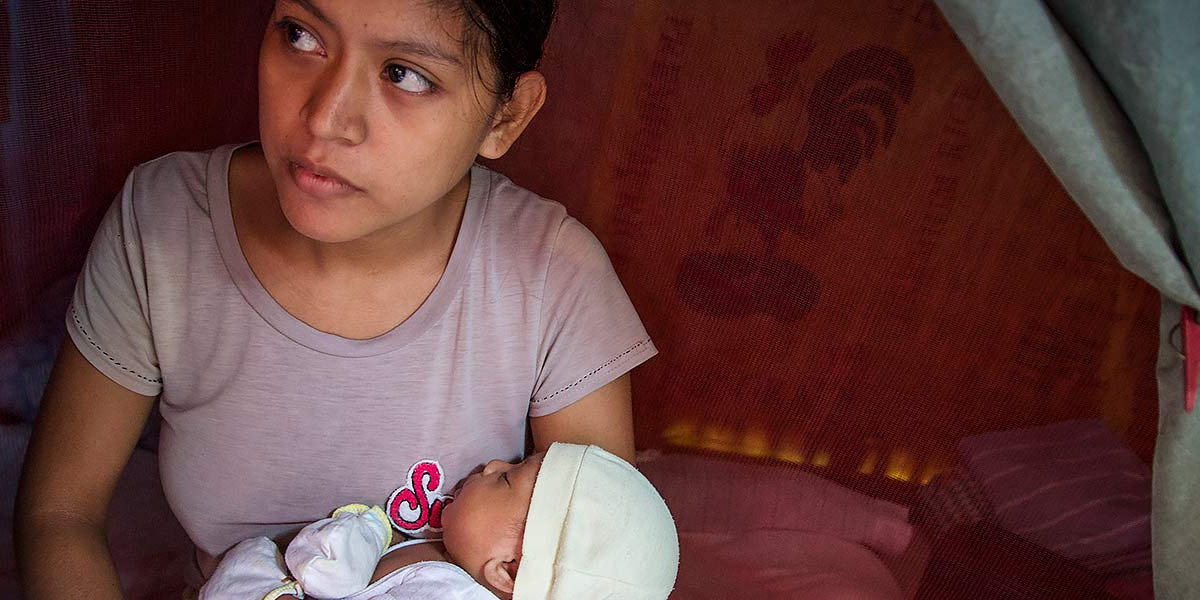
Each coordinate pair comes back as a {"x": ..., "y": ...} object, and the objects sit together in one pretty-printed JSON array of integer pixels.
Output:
[
  {"x": 522, "y": 217},
  {"x": 514, "y": 205},
  {"x": 161, "y": 183},
  {"x": 187, "y": 165}
]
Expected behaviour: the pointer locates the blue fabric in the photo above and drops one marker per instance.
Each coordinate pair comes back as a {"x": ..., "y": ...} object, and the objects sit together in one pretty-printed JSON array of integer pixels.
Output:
[
  {"x": 1147, "y": 52},
  {"x": 1109, "y": 93}
]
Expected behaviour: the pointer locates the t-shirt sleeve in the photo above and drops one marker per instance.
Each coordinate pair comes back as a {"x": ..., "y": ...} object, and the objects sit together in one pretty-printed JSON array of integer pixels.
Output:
[
  {"x": 108, "y": 315},
  {"x": 590, "y": 332}
]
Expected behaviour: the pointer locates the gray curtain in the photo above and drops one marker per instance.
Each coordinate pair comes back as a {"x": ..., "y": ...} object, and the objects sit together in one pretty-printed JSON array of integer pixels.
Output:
[{"x": 1108, "y": 91}]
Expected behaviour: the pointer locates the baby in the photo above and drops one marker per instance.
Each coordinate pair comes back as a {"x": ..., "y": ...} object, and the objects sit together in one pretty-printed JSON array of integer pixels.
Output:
[{"x": 574, "y": 522}]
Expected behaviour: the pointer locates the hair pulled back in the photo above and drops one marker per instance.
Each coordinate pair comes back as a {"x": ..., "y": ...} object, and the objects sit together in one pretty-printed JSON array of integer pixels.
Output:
[{"x": 510, "y": 33}]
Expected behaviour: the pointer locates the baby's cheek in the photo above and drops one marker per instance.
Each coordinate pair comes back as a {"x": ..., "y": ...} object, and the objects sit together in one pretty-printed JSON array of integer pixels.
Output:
[
  {"x": 448, "y": 514},
  {"x": 452, "y": 538},
  {"x": 454, "y": 529}
]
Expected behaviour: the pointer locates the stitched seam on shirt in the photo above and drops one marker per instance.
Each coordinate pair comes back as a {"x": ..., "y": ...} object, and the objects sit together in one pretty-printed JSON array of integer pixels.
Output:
[
  {"x": 546, "y": 279},
  {"x": 596, "y": 370},
  {"x": 111, "y": 358}
]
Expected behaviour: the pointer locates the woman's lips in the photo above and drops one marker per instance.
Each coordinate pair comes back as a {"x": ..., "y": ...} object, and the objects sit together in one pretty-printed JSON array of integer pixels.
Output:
[{"x": 321, "y": 186}]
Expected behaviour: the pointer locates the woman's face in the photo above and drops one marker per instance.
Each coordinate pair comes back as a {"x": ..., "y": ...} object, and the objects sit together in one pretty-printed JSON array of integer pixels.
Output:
[{"x": 370, "y": 111}]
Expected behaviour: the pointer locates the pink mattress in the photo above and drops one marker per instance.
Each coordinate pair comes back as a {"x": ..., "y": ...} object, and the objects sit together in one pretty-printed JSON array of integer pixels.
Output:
[{"x": 772, "y": 532}]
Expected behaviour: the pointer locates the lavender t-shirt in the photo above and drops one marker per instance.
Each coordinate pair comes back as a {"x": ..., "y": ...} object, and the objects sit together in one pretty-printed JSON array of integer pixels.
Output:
[{"x": 268, "y": 422}]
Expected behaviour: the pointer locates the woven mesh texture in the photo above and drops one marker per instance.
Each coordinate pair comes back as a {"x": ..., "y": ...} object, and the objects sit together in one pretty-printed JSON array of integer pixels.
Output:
[{"x": 846, "y": 251}]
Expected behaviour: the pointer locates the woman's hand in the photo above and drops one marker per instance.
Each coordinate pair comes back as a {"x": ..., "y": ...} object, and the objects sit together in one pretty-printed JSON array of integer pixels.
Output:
[{"x": 86, "y": 430}]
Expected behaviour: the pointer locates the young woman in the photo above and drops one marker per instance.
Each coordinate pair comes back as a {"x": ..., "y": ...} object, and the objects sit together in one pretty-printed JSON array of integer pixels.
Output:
[{"x": 347, "y": 296}]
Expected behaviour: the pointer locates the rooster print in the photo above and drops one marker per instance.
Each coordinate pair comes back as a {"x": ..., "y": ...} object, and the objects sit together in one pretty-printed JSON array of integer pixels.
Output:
[{"x": 851, "y": 115}]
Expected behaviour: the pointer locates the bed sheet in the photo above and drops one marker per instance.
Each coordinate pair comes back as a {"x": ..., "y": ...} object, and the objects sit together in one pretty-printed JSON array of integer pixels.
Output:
[
  {"x": 781, "y": 565},
  {"x": 773, "y": 532}
]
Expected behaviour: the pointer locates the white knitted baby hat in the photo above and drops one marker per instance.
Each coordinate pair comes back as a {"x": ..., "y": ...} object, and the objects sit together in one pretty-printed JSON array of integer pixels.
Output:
[{"x": 597, "y": 530}]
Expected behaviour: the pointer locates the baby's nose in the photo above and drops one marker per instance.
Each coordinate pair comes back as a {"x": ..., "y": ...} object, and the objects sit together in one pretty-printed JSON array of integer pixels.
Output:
[{"x": 493, "y": 466}]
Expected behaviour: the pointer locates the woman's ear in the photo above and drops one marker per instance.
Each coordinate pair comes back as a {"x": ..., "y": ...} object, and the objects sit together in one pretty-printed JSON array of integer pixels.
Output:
[
  {"x": 514, "y": 115},
  {"x": 500, "y": 574}
]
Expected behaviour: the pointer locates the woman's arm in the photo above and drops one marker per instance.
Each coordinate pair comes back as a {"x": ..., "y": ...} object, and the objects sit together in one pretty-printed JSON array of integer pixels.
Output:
[
  {"x": 85, "y": 432},
  {"x": 603, "y": 417}
]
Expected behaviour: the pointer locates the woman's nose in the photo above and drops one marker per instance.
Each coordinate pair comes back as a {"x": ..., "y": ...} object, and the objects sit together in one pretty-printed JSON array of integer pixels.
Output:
[{"x": 335, "y": 109}]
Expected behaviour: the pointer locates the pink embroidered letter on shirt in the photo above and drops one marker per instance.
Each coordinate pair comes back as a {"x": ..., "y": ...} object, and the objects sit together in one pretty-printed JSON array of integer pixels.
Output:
[{"x": 417, "y": 506}]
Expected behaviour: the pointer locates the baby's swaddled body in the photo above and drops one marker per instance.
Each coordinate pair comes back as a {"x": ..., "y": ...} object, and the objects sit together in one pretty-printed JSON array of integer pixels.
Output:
[
  {"x": 426, "y": 580},
  {"x": 541, "y": 529},
  {"x": 341, "y": 557}
]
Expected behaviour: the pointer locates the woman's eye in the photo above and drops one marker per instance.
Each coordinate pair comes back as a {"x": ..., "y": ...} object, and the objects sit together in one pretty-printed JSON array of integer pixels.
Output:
[
  {"x": 407, "y": 79},
  {"x": 300, "y": 39}
]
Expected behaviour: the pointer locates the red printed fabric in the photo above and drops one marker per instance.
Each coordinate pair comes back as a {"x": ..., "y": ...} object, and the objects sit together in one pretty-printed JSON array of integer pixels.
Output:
[{"x": 846, "y": 251}]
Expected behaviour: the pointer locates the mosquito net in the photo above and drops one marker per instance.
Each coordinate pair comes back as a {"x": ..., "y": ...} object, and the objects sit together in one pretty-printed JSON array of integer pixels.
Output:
[{"x": 895, "y": 359}]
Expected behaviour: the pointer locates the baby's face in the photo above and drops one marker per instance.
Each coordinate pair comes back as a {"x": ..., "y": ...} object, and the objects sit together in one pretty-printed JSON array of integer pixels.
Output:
[{"x": 488, "y": 512}]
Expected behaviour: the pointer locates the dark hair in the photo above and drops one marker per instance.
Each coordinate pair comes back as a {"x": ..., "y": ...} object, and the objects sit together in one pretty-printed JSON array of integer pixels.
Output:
[{"x": 510, "y": 32}]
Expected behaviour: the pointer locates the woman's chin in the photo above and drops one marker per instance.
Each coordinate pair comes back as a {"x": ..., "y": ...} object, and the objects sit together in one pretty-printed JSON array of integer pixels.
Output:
[{"x": 317, "y": 225}]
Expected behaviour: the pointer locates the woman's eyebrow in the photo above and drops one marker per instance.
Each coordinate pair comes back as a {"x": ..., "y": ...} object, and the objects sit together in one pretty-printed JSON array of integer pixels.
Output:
[
  {"x": 412, "y": 47},
  {"x": 424, "y": 49},
  {"x": 316, "y": 12}
]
